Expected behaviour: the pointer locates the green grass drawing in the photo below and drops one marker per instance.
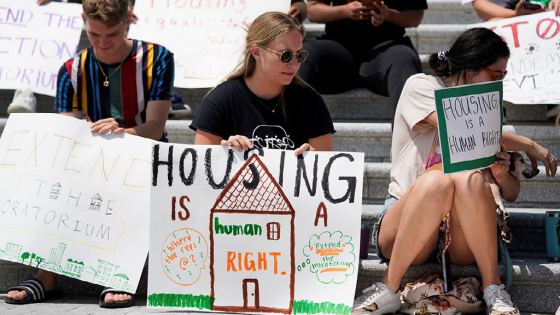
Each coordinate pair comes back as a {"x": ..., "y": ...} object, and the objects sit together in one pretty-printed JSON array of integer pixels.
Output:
[
  {"x": 310, "y": 307},
  {"x": 181, "y": 300}
]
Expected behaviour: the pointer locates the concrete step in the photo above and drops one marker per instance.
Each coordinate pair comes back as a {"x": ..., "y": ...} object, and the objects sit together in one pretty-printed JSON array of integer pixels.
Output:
[
  {"x": 534, "y": 289},
  {"x": 540, "y": 189},
  {"x": 449, "y": 12},
  {"x": 374, "y": 139},
  {"x": 527, "y": 226}
]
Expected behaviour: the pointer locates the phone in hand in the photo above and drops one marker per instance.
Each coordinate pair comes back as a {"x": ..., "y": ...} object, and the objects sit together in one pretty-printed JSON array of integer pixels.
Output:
[{"x": 531, "y": 5}]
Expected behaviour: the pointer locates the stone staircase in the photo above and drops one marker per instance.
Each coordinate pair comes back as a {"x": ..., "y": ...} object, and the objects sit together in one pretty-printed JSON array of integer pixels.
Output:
[{"x": 362, "y": 120}]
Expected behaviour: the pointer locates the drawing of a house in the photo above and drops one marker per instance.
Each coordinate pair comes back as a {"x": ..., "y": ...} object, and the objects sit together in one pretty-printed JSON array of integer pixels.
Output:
[
  {"x": 88, "y": 274},
  {"x": 13, "y": 252},
  {"x": 119, "y": 281},
  {"x": 55, "y": 259},
  {"x": 252, "y": 241},
  {"x": 95, "y": 203},
  {"x": 73, "y": 269},
  {"x": 105, "y": 272},
  {"x": 55, "y": 191}
]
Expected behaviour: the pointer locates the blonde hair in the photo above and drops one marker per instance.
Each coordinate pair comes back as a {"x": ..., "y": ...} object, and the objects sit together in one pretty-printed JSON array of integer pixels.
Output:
[
  {"x": 264, "y": 30},
  {"x": 108, "y": 12}
]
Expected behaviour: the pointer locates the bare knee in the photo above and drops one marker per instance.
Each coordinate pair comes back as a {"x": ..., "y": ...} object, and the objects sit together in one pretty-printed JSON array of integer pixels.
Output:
[{"x": 434, "y": 189}]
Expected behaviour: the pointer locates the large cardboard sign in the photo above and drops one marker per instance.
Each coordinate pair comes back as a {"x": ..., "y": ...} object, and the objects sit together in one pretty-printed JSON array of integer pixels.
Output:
[
  {"x": 261, "y": 231},
  {"x": 534, "y": 66},
  {"x": 469, "y": 125},
  {"x": 206, "y": 36},
  {"x": 35, "y": 41},
  {"x": 74, "y": 203}
]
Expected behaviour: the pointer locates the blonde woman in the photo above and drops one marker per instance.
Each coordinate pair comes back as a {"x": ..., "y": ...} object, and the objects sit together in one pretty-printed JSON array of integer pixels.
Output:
[{"x": 264, "y": 103}]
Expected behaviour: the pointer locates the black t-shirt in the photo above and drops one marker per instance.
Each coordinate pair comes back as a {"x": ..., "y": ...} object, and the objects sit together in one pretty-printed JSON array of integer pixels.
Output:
[
  {"x": 362, "y": 34},
  {"x": 232, "y": 109}
]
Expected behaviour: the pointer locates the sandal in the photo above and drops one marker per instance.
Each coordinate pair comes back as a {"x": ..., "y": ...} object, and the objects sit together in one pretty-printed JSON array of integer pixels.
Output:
[
  {"x": 104, "y": 304},
  {"x": 35, "y": 293}
]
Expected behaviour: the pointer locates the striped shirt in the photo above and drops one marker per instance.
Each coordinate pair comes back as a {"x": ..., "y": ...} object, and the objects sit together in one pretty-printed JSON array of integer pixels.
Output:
[{"x": 145, "y": 75}]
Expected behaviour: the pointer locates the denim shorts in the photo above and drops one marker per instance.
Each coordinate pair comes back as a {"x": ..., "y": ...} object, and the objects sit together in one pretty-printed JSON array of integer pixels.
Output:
[{"x": 389, "y": 202}]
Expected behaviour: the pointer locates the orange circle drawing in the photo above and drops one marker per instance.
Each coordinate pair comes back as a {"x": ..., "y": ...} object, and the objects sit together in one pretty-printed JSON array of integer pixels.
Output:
[{"x": 183, "y": 255}]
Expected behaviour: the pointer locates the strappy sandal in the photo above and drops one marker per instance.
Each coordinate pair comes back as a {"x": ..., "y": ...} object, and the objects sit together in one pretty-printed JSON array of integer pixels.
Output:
[
  {"x": 35, "y": 293},
  {"x": 104, "y": 304}
]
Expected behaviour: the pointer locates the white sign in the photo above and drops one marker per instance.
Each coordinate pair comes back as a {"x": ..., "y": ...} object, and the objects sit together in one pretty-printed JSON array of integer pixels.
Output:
[
  {"x": 74, "y": 203},
  {"x": 35, "y": 41},
  {"x": 469, "y": 125},
  {"x": 266, "y": 232},
  {"x": 206, "y": 36},
  {"x": 534, "y": 66}
]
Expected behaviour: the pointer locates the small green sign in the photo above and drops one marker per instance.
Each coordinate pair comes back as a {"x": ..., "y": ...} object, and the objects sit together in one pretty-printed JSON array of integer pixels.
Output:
[{"x": 470, "y": 125}]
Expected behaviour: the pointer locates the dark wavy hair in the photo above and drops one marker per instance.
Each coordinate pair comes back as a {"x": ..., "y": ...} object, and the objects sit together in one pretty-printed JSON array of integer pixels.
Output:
[{"x": 474, "y": 49}]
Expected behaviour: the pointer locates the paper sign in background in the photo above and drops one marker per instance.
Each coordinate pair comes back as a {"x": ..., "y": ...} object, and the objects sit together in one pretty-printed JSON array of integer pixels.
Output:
[
  {"x": 206, "y": 36},
  {"x": 254, "y": 233},
  {"x": 469, "y": 125},
  {"x": 74, "y": 203},
  {"x": 35, "y": 42},
  {"x": 534, "y": 66}
]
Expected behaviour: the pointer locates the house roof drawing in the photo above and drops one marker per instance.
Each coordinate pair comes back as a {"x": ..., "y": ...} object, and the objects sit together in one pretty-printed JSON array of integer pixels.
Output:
[{"x": 241, "y": 195}]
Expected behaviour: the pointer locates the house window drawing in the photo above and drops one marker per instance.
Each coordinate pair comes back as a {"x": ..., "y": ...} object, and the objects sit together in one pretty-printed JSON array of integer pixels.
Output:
[
  {"x": 252, "y": 270},
  {"x": 119, "y": 281},
  {"x": 55, "y": 191},
  {"x": 12, "y": 252},
  {"x": 73, "y": 269},
  {"x": 104, "y": 273},
  {"x": 95, "y": 203},
  {"x": 273, "y": 231}
]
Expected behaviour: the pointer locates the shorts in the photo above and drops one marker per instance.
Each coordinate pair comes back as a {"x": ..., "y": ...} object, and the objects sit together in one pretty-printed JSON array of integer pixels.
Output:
[{"x": 435, "y": 256}]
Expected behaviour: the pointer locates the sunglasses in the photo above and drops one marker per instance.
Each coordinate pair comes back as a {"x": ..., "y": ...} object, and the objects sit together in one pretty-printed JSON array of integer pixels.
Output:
[
  {"x": 496, "y": 75},
  {"x": 287, "y": 55}
]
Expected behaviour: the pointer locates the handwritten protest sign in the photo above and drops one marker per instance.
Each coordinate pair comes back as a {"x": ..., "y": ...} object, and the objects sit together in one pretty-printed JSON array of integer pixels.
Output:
[
  {"x": 534, "y": 66},
  {"x": 74, "y": 203},
  {"x": 206, "y": 36},
  {"x": 35, "y": 41},
  {"x": 469, "y": 125},
  {"x": 266, "y": 232}
]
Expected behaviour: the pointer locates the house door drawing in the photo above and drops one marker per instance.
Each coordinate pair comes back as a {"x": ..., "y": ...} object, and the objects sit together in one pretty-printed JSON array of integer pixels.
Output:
[{"x": 250, "y": 293}]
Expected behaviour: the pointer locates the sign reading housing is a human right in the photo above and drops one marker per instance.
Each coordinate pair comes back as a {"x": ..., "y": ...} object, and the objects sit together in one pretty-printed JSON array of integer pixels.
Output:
[{"x": 470, "y": 125}]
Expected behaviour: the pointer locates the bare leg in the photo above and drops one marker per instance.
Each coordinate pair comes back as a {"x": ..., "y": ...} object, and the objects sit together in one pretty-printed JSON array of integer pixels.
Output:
[
  {"x": 47, "y": 278},
  {"x": 473, "y": 226},
  {"x": 409, "y": 230}
]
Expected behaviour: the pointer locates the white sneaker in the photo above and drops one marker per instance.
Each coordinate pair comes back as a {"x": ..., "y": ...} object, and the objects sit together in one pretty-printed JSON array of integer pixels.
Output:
[
  {"x": 498, "y": 301},
  {"x": 377, "y": 299},
  {"x": 24, "y": 102}
]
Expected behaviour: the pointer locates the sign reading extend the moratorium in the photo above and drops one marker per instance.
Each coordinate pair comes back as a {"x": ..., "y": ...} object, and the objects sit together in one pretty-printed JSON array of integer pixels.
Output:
[
  {"x": 72, "y": 202},
  {"x": 259, "y": 231},
  {"x": 469, "y": 125}
]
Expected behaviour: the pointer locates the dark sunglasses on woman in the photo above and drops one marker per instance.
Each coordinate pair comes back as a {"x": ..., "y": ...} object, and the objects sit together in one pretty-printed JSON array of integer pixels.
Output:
[{"x": 287, "y": 55}]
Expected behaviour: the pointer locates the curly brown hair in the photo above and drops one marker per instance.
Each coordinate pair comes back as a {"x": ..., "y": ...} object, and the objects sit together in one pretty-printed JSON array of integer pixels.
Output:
[{"x": 108, "y": 12}]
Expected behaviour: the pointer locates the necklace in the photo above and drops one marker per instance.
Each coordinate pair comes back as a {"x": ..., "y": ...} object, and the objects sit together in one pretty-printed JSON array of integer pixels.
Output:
[
  {"x": 270, "y": 109},
  {"x": 106, "y": 82}
]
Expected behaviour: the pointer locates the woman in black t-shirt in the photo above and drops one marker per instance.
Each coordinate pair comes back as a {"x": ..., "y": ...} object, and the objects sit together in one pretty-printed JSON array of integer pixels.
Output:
[
  {"x": 363, "y": 47},
  {"x": 263, "y": 103}
]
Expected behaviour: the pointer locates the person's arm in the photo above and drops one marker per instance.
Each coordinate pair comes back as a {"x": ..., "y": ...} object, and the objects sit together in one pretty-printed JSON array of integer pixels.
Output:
[
  {"x": 321, "y": 143},
  {"x": 533, "y": 150},
  {"x": 322, "y": 12},
  {"x": 488, "y": 11},
  {"x": 404, "y": 18},
  {"x": 298, "y": 10},
  {"x": 156, "y": 116}
]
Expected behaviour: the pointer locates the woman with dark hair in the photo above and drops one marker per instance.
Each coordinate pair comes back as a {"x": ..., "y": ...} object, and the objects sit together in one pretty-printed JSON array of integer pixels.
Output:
[
  {"x": 264, "y": 103},
  {"x": 408, "y": 229}
]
